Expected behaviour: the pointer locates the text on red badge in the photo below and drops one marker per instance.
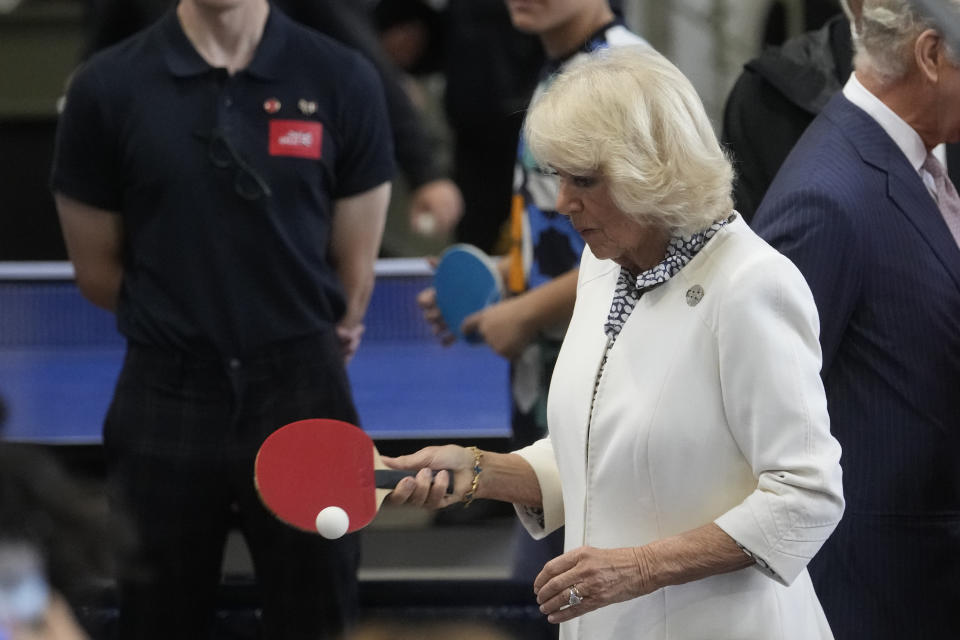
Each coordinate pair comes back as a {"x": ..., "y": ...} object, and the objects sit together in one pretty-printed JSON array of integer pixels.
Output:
[{"x": 297, "y": 138}]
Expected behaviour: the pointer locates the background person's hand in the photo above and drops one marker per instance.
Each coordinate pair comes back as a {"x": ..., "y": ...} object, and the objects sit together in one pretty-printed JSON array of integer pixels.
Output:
[
  {"x": 427, "y": 301},
  {"x": 349, "y": 340},
  {"x": 426, "y": 490},
  {"x": 436, "y": 207},
  {"x": 601, "y": 576},
  {"x": 503, "y": 326}
]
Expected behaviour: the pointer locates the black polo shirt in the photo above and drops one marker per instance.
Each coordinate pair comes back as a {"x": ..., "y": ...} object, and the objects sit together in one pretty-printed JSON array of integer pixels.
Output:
[{"x": 226, "y": 184}]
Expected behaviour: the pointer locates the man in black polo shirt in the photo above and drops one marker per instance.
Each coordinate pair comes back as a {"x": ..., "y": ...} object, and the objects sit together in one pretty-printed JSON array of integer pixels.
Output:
[{"x": 222, "y": 181}]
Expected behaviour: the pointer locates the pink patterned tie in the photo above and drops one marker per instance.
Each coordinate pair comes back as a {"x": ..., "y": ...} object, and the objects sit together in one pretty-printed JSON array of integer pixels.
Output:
[{"x": 946, "y": 196}]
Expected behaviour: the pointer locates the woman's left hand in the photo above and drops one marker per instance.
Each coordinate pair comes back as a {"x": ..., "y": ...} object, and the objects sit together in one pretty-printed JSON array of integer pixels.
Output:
[{"x": 600, "y": 576}]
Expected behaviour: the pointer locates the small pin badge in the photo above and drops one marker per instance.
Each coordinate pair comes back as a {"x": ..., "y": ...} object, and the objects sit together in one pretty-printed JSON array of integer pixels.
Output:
[
  {"x": 271, "y": 105},
  {"x": 694, "y": 295},
  {"x": 307, "y": 107}
]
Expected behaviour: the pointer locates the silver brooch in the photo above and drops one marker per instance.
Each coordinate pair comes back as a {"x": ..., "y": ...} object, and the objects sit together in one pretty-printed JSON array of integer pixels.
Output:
[{"x": 694, "y": 295}]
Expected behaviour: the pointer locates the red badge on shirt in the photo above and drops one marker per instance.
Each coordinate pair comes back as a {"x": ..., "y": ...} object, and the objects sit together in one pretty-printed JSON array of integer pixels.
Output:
[{"x": 297, "y": 138}]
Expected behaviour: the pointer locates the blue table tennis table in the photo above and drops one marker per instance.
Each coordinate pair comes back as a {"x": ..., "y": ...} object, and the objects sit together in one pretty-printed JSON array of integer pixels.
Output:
[{"x": 60, "y": 356}]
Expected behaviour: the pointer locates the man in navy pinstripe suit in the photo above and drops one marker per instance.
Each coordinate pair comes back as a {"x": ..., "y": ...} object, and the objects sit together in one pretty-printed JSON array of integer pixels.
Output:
[{"x": 857, "y": 206}]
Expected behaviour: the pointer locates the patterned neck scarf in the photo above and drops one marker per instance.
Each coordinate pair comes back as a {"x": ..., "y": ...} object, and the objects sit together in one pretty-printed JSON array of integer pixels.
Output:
[{"x": 680, "y": 250}]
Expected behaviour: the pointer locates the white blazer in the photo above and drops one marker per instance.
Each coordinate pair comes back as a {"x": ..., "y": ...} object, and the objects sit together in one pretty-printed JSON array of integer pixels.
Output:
[{"x": 708, "y": 409}]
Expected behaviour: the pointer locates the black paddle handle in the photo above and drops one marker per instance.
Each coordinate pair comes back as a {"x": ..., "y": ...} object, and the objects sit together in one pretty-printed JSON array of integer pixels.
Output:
[{"x": 388, "y": 478}]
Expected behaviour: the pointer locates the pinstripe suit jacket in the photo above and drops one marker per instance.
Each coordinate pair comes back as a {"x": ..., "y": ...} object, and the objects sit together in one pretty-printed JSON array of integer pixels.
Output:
[{"x": 856, "y": 219}]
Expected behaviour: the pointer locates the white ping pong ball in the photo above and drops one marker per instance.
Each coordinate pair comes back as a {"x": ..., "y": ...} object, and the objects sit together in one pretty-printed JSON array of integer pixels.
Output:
[
  {"x": 426, "y": 223},
  {"x": 332, "y": 522}
]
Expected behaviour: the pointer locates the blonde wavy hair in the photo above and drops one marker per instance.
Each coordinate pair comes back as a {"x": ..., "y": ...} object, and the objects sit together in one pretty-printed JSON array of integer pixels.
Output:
[{"x": 630, "y": 115}]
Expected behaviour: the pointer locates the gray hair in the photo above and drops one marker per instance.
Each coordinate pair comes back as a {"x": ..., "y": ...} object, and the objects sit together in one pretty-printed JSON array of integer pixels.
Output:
[
  {"x": 888, "y": 29},
  {"x": 629, "y": 114}
]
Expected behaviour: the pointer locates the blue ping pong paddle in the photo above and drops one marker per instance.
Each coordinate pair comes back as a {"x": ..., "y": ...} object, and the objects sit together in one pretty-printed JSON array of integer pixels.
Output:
[{"x": 466, "y": 280}]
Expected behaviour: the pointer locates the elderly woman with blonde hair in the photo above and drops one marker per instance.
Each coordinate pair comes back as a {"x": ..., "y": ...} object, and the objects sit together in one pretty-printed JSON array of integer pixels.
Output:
[{"x": 689, "y": 454}]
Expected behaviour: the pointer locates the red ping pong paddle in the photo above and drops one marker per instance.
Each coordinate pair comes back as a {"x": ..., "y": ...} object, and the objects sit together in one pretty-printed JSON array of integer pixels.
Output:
[{"x": 310, "y": 465}]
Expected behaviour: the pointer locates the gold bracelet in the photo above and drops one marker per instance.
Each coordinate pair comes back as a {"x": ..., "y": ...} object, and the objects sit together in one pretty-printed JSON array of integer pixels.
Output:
[{"x": 477, "y": 470}]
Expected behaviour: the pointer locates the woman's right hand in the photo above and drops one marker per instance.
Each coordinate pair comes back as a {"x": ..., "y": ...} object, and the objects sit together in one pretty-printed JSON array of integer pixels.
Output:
[{"x": 427, "y": 490}]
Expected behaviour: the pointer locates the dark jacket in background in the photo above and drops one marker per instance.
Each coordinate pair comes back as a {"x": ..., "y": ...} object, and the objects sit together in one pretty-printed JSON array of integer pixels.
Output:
[
  {"x": 775, "y": 98},
  {"x": 491, "y": 70}
]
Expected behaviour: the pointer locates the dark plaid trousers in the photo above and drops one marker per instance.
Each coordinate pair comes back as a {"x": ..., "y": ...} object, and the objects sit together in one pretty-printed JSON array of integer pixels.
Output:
[{"x": 180, "y": 437}]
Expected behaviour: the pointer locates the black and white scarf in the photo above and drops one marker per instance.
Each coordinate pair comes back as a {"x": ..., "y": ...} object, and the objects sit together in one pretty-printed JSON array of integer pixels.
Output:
[{"x": 680, "y": 250}]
